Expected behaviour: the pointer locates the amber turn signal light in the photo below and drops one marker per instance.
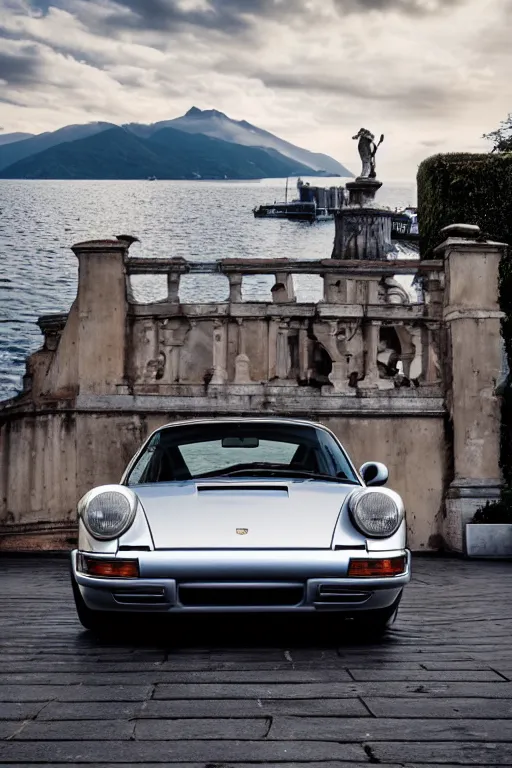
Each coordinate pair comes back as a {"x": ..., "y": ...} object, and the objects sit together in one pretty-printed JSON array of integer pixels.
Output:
[
  {"x": 115, "y": 569},
  {"x": 365, "y": 569}
]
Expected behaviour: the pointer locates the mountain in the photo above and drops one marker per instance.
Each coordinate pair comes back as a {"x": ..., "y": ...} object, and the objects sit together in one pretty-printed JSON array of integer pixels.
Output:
[
  {"x": 200, "y": 144},
  {"x": 18, "y": 150},
  {"x": 220, "y": 126},
  {"x": 10, "y": 138},
  {"x": 117, "y": 153},
  {"x": 211, "y": 158}
]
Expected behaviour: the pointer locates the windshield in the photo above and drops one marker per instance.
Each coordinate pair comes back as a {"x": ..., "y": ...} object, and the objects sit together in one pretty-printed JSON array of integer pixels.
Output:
[{"x": 241, "y": 449}]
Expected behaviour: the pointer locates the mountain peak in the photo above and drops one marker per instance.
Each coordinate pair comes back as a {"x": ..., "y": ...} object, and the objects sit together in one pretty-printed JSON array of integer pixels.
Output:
[{"x": 205, "y": 113}]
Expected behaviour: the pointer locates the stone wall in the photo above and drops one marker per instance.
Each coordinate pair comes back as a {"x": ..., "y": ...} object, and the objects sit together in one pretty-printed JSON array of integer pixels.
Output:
[{"x": 388, "y": 373}]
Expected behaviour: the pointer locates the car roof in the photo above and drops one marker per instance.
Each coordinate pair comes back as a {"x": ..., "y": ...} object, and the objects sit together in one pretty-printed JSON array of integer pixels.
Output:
[{"x": 246, "y": 419}]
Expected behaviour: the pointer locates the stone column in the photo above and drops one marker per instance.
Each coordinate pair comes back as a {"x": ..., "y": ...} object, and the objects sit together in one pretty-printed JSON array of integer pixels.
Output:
[
  {"x": 472, "y": 320},
  {"x": 102, "y": 311}
]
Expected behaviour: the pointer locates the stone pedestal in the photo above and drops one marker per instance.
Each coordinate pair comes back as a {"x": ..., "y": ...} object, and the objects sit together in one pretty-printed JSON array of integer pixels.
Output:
[
  {"x": 472, "y": 320},
  {"x": 363, "y": 231},
  {"x": 362, "y": 234},
  {"x": 362, "y": 191}
]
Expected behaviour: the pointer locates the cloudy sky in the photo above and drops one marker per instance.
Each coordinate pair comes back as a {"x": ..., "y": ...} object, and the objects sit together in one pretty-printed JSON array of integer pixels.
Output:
[{"x": 432, "y": 75}]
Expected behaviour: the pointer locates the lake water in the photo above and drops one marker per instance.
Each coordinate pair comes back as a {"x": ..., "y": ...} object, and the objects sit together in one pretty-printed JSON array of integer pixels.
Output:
[{"x": 200, "y": 221}]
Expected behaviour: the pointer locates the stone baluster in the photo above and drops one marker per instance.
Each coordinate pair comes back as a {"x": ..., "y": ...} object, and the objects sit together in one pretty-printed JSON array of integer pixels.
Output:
[
  {"x": 371, "y": 342},
  {"x": 372, "y": 291},
  {"x": 283, "y": 360},
  {"x": 433, "y": 288},
  {"x": 273, "y": 327},
  {"x": 220, "y": 342},
  {"x": 415, "y": 354},
  {"x": 173, "y": 280},
  {"x": 303, "y": 351},
  {"x": 242, "y": 362},
  {"x": 235, "y": 287},
  {"x": 170, "y": 349},
  {"x": 339, "y": 372},
  {"x": 283, "y": 291},
  {"x": 430, "y": 350}
]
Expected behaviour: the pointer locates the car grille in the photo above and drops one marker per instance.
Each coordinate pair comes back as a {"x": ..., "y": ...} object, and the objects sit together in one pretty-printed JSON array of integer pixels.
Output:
[{"x": 239, "y": 595}]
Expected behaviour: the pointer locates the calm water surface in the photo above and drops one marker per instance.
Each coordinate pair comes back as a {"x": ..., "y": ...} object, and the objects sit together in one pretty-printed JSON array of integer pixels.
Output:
[{"x": 201, "y": 221}]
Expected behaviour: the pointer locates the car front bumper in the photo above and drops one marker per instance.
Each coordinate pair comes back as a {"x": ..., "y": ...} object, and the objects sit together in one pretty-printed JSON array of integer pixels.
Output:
[{"x": 204, "y": 581}]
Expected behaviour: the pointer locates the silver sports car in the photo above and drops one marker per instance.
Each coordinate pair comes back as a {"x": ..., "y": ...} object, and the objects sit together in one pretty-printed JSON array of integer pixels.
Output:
[{"x": 263, "y": 514}]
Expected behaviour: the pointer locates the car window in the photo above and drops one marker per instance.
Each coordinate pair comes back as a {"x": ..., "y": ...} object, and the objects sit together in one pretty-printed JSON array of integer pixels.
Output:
[
  {"x": 141, "y": 465},
  {"x": 245, "y": 448},
  {"x": 205, "y": 457}
]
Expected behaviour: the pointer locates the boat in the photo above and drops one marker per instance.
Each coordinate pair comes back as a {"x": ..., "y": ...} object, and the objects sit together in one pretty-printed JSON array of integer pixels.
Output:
[
  {"x": 404, "y": 224},
  {"x": 312, "y": 204},
  {"x": 294, "y": 210}
]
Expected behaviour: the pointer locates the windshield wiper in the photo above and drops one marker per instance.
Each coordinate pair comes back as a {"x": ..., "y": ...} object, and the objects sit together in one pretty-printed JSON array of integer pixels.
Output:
[{"x": 269, "y": 471}]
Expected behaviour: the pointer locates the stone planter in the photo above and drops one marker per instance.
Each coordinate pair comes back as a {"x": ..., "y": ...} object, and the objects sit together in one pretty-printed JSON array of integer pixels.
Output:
[{"x": 488, "y": 540}]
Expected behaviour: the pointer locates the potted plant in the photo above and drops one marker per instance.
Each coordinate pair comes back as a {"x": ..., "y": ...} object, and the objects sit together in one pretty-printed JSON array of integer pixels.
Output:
[{"x": 489, "y": 534}]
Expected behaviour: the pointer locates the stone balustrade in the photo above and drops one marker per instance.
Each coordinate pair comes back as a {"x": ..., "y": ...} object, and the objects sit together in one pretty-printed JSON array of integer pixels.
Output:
[{"x": 365, "y": 334}]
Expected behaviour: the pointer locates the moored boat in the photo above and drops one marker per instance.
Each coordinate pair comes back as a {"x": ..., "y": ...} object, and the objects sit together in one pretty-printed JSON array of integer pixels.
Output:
[{"x": 312, "y": 204}]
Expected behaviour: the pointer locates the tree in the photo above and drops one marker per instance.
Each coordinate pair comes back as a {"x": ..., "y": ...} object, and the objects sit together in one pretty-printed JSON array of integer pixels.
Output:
[{"x": 502, "y": 136}]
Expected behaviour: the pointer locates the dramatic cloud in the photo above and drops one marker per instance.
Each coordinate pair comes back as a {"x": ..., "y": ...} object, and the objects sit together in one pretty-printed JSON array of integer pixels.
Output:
[
  {"x": 431, "y": 74},
  {"x": 19, "y": 65},
  {"x": 414, "y": 7}
]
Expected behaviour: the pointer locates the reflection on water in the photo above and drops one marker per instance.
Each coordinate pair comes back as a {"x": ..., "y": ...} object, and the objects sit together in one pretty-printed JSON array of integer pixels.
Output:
[{"x": 200, "y": 221}]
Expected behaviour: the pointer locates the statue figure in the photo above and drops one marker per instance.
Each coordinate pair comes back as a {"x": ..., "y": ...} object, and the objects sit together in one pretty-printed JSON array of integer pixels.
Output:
[{"x": 367, "y": 151}]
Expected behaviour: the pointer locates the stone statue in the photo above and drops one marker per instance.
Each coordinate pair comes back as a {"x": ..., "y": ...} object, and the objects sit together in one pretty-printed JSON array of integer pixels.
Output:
[{"x": 367, "y": 151}]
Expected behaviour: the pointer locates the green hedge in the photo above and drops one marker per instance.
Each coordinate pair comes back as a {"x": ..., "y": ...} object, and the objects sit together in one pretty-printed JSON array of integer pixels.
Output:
[
  {"x": 465, "y": 188},
  {"x": 475, "y": 189},
  {"x": 469, "y": 189}
]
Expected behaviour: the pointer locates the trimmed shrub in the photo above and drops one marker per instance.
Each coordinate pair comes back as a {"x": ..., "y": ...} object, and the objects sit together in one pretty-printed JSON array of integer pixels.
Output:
[{"x": 465, "y": 188}]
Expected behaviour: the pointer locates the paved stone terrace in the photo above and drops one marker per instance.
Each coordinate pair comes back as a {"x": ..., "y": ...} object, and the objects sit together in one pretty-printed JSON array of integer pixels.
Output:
[{"x": 211, "y": 693}]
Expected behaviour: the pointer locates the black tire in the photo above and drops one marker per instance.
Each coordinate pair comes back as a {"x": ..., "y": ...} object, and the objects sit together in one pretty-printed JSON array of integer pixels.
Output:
[{"x": 97, "y": 621}]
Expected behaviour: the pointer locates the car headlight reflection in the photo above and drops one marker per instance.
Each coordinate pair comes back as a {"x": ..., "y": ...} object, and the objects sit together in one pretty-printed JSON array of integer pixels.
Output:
[
  {"x": 376, "y": 513},
  {"x": 108, "y": 511}
]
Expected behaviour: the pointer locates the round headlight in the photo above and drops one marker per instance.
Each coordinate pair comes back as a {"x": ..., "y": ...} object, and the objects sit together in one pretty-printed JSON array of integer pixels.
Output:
[
  {"x": 108, "y": 511},
  {"x": 376, "y": 514}
]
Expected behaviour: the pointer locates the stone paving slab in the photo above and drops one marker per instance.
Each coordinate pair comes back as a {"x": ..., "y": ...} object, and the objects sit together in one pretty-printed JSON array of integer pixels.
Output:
[{"x": 259, "y": 691}]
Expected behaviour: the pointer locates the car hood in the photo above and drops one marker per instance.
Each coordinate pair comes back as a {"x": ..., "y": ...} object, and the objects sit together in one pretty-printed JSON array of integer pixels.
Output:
[{"x": 250, "y": 514}]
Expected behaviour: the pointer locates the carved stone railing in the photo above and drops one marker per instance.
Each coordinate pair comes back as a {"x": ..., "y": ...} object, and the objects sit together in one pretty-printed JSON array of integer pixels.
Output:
[{"x": 364, "y": 334}]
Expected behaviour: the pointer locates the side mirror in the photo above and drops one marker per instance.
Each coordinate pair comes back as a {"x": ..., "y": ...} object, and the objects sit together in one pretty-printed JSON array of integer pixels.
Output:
[{"x": 374, "y": 473}]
